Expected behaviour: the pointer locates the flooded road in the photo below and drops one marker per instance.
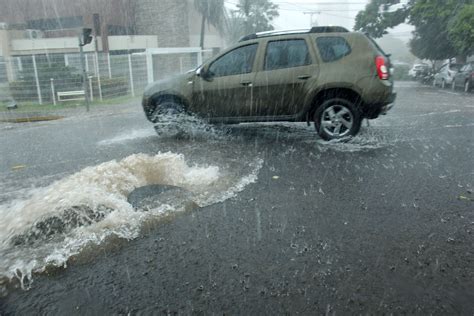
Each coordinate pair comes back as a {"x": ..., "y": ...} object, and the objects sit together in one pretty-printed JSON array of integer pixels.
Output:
[{"x": 380, "y": 224}]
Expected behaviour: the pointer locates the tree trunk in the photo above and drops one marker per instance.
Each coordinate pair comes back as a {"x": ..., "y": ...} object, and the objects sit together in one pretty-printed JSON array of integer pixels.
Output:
[{"x": 203, "y": 29}]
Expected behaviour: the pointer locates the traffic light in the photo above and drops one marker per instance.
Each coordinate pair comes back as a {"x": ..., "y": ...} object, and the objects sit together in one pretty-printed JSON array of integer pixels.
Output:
[{"x": 86, "y": 36}]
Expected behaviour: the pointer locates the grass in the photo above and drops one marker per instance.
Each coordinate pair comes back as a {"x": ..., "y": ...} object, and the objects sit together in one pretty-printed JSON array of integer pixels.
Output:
[{"x": 35, "y": 107}]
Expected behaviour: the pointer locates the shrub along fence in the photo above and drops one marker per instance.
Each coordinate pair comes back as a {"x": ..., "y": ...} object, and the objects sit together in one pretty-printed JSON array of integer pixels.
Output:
[{"x": 42, "y": 78}]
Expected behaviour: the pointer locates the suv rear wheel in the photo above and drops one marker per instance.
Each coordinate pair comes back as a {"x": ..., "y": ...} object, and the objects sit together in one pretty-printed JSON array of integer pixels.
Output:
[{"x": 336, "y": 119}]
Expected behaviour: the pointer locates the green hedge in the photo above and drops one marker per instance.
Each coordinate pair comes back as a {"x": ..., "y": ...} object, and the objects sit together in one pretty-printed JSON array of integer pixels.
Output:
[
  {"x": 25, "y": 89},
  {"x": 111, "y": 87}
]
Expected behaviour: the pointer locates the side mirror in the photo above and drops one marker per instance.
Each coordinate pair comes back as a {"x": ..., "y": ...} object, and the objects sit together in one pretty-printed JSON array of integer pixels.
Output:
[{"x": 204, "y": 73}]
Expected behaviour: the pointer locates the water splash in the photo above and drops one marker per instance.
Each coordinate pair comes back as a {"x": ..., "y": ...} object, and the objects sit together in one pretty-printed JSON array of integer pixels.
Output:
[{"x": 91, "y": 206}]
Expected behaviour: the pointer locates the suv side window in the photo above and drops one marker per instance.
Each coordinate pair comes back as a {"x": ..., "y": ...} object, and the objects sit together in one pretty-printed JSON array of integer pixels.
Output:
[
  {"x": 333, "y": 48},
  {"x": 236, "y": 62},
  {"x": 286, "y": 54}
]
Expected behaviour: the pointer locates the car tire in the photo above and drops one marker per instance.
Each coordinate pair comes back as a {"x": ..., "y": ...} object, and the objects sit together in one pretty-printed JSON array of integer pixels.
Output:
[
  {"x": 467, "y": 86},
  {"x": 337, "y": 119}
]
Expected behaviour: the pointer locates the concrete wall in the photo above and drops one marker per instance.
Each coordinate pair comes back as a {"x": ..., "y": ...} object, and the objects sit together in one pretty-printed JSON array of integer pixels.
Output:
[
  {"x": 114, "y": 12},
  {"x": 167, "y": 19},
  {"x": 175, "y": 22}
]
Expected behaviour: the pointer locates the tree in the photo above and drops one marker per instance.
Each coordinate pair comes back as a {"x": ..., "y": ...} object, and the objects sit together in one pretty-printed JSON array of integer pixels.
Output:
[
  {"x": 376, "y": 19},
  {"x": 235, "y": 27},
  {"x": 431, "y": 19},
  {"x": 434, "y": 21},
  {"x": 213, "y": 12},
  {"x": 257, "y": 15},
  {"x": 461, "y": 31}
]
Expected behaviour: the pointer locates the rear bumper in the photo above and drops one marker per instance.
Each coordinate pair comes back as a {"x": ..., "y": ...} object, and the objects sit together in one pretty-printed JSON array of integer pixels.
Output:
[{"x": 372, "y": 111}]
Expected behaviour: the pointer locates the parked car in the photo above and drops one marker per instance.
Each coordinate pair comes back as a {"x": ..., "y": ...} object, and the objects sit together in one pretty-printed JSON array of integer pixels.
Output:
[
  {"x": 464, "y": 78},
  {"x": 419, "y": 71},
  {"x": 327, "y": 75},
  {"x": 445, "y": 75}
]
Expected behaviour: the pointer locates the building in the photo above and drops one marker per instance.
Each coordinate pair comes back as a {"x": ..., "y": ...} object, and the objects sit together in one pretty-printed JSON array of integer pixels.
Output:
[
  {"x": 51, "y": 27},
  {"x": 176, "y": 22}
]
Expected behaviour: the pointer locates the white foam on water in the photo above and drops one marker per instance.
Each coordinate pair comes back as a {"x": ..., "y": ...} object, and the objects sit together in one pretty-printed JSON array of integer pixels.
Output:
[
  {"x": 369, "y": 140},
  {"x": 106, "y": 186},
  {"x": 128, "y": 136},
  {"x": 187, "y": 126}
]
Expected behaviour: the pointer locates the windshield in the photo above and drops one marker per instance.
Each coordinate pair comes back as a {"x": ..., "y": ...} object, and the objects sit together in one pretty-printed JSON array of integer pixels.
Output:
[{"x": 236, "y": 157}]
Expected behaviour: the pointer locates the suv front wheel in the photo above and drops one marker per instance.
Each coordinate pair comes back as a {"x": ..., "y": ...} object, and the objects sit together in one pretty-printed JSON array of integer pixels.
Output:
[{"x": 336, "y": 119}]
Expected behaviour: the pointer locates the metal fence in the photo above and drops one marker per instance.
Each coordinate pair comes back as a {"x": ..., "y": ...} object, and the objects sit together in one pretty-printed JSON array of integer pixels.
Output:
[{"x": 55, "y": 78}]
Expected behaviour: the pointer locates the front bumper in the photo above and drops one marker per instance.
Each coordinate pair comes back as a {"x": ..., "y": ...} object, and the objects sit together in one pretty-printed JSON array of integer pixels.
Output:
[{"x": 147, "y": 107}]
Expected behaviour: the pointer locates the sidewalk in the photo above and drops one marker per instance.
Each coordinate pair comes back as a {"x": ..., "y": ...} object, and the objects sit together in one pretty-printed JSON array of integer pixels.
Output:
[{"x": 22, "y": 116}]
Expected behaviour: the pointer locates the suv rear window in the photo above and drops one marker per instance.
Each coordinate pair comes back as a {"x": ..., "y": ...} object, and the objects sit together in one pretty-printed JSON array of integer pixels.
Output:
[
  {"x": 286, "y": 54},
  {"x": 332, "y": 48}
]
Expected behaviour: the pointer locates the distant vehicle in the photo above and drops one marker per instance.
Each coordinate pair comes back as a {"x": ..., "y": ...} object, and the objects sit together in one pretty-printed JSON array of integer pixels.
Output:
[
  {"x": 464, "y": 78},
  {"x": 445, "y": 75},
  {"x": 419, "y": 71},
  {"x": 327, "y": 75}
]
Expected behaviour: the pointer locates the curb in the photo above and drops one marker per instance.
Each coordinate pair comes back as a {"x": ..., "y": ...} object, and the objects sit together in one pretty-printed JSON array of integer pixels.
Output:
[{"x": 31, "y": 119}]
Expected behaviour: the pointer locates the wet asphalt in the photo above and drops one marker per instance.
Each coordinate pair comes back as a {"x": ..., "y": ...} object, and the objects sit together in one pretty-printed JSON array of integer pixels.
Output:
[{"x": 381, "y": 225}]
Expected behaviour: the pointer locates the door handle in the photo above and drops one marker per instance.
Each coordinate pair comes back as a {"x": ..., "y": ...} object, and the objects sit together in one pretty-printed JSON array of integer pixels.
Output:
[
  {"x": 304, "y": 77},
  {"x": 247, "y": 84}
]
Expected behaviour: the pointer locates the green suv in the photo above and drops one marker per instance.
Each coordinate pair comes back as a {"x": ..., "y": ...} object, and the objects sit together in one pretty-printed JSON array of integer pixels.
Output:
[{"x": 327, "y": 75}]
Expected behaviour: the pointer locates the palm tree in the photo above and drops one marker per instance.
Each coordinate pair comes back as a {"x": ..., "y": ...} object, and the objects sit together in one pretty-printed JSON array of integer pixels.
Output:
[{"x": 213, "y": 12}]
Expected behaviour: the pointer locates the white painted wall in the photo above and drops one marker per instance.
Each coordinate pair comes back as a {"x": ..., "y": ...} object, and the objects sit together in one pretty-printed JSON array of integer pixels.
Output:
[
  {"x": 70, "y": 44},
  {"x": 132, "y": 42}
]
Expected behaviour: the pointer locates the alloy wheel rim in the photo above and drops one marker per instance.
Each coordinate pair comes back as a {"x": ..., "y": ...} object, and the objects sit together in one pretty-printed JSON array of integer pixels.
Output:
[{"x": 337, "y": 121}]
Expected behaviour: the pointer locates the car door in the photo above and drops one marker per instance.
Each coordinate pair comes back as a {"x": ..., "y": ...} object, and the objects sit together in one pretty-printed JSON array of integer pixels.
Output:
[
  {"x": 225, "y": 90},
  {"x": 279, "y": 85},
  {"x": 459, "y": 77}
]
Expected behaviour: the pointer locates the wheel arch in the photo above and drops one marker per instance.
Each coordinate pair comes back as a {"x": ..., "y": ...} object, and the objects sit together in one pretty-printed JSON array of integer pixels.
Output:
[
  {"x": 329, "y": 93},
  {"x": 168, "y": 96}
]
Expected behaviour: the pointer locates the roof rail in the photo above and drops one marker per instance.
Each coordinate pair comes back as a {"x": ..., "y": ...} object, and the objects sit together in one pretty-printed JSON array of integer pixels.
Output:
[
  {"x": 316, "y": 29},
  {"x": 328, "y": 29}
]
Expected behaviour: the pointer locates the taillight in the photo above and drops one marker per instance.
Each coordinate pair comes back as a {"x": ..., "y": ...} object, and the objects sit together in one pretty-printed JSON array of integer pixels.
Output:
[{"x": 382, "y": 69}]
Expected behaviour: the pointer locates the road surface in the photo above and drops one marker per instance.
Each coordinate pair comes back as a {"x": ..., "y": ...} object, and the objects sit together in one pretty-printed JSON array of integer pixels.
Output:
[{"x": 382, "y": 224}]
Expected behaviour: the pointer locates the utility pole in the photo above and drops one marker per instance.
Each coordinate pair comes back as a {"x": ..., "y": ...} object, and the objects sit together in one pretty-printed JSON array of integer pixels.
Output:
[
  {"x": 311, "y": 14},
  {"x": 84, "y": 38}
]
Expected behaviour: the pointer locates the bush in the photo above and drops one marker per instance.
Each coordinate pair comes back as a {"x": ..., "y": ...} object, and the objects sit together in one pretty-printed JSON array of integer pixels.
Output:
[
  {"x": 111, "y": 87},
  {"x": 25, "y": 89}
]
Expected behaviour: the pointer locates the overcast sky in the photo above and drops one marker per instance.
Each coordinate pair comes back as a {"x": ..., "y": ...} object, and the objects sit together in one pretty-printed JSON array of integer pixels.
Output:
[{"x": 295, "y": 14}]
